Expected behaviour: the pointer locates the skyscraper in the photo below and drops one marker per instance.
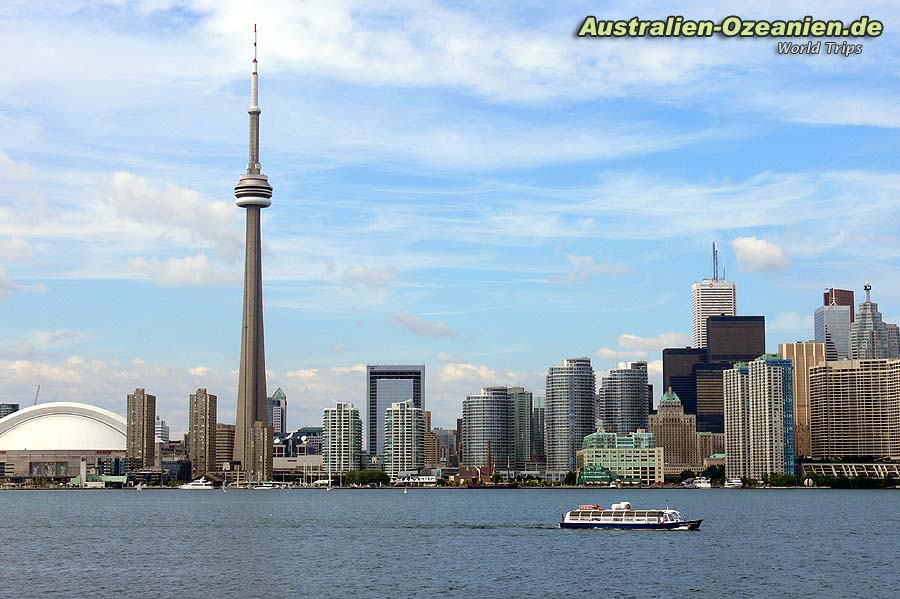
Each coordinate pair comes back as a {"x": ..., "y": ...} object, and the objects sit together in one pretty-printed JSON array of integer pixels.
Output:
[
  {"x": 832, "y": 328},
  {"x": 8, "y": 408},
  {"x": 854, "y": 407},
  {"x": 447, "y": 439},
  {"x": 162, "y": 430},
  {"x": 277, "y": 411},
  {"x": 404, "y": 438},
  {"x": 622, "y": 406},
  {"x": 839, "y": 297},
  {"x": 253, "y": 438},
  {"x": 759, "y": 418},
  {"x": 140, "y": 448},
  {"x": 341, "y": 438},
  {"x": 202, "y": 423},
  {"x": 711, "y": 297},
  {"x": 869, "y": 336},
  {"x": 489, "y": 417},
  {"x": 678, "y": 373},
  {"x": 537, "y": 429},
  {"x": 803, "y": 355},
  {"x": 522, "y": 407},
  {"x": 389, "y": 384},
  {"x": 735, "y": 338},
  {"x": 569, "y": 413}
]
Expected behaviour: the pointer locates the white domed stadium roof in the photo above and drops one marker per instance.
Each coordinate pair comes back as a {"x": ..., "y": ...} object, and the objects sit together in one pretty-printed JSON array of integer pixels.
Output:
[{"x": 62, "y": 426}]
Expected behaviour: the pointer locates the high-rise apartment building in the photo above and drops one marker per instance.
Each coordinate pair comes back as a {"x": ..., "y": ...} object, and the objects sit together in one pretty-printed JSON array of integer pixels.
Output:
[
  {"x": 162, "y": 430},
  {"x": 224, "y": 444},
  {"x": 523, "y": 402},
  {"x": 622, "y": 399},
  {"x": 434, "y": 457},
  {"x": 447, "y": 439},
  {"x": 854, "y": 409},
  {"x": 569, "y": 413},
  {"x": 386, "y": 385},
  {"x": 710, "y": 297},
  {"x": 839, "y": 297},
  {"x": 803, "y": 355},
  {"x": 832, "y": 328},
  {"x": 489, "y": 418},
  {"x": 140, "y": 446},
  {"x": 404, "y": 438},
  {"x": 341, "y": 439},
  {"x": 676, "y": 432},
  {"x": 277, "y": 411},
  {"x": 8, "y": 408},
  {"x": 869, "y": 336},
  {"x": 759, "y": 418},
  {"x": 202, "y": 432}
]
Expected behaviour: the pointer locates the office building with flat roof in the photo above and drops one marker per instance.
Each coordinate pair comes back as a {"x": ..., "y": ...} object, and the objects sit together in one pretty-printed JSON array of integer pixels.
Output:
[
  {"x": 832, "y": 328},
  {"x": 388, "y": 384},
  {"x": 202, "y": 432},
  {"x": 710, "y": 297},
  {"x": 631, "y": 459},
  {"x": 803, "y": 355},
  {"x": 140, "y": 447}
]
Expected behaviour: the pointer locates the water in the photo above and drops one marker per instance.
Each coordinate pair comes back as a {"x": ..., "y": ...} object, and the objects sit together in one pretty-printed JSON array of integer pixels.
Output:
[{"x": 443, "y": 543}]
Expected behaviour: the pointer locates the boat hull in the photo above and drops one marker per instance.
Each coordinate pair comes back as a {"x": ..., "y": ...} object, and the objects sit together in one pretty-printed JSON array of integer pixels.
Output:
[{"x": 685, "y": 525}]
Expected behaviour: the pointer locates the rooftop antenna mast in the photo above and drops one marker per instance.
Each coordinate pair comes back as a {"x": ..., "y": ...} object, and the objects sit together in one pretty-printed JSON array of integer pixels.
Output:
[{"x": 715, "y": 262}]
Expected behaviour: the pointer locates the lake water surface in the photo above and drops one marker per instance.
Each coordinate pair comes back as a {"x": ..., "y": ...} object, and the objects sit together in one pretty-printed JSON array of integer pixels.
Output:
[{"x": 443, "y": 543}]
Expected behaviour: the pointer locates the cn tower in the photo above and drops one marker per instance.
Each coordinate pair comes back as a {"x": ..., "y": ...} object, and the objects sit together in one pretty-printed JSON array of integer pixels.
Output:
[{"x": 252, "y": 436}]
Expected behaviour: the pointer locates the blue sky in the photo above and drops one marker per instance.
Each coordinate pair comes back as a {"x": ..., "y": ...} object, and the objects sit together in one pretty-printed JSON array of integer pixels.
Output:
[{"x": 472, "y": 188}]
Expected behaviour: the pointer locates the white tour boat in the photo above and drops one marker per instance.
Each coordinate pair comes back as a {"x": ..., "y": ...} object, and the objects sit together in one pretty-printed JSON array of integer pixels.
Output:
[
  {"x": 621, "y": 515},
  {"x": 701, "y": 482},
  {"x": 734, "y": 483},
  {"x": 200, "y": 484}
]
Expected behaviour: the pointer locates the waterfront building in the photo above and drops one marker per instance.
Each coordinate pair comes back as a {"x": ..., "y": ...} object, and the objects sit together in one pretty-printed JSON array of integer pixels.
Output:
[
  {"x": 710, "y": 297},
  {"x": 141, "y": 420},
  {"x": 459, "y": 441},
  {"x": 709, "y": 445},
  {"x": 253, "y": 437},
  {"x": 8, "y": 408},
  {"x": 488, "y": 420},
  {"x": 569, "y": 413},
  {"x": 832, "y": 328},
  {"x": 404, "y": 438},
  {"x": 58, "y": 441},
  {"x": 523, "y": 405},
  {"x": 631, "y": 459},
  {"x": 162, "y": 430},
  {"x": 869, "y": 336},
  {"x": 803, "y": 355},
  {"x": 386, "y": 385},
  {"x": 276, "y": 407},
  {"x": 341, "y": 439},
  {"x": 434, "y": 455},
  {"x": 202, "y": 432},
  {"x": 759, "y": 430},
  {"x": 676, "y": 432},
  {"x": 537, "y": 429},
  {"x": 622, "y": 399},
  {"x": 853, "y": 469},
  {"x": 854, "y": 407},
  {"x": 310, "y": 438},
  {"x": 224, "y": 444}
]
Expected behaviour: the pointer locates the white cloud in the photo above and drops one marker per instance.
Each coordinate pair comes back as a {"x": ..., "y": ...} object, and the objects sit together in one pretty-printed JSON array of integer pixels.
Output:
[
  {"x": 420, "y": 326},
  {"x": 657, "y": 343},
  {"x": 606, "y": 353},
  {"x": 303, "y": 373},
  {"x": 757, "y": 255},
  {"x": 28, "y": 371},
  {"x": 15, "y": 248},
  {"x": 190, "y": 271},
  {"x": 348, "y": 369},
  {"x": 198, "y": 371},
  {"x": 582, "y": 268},
  {"x": 473, "y": 373},
  {"x": 369, "y": 276}
]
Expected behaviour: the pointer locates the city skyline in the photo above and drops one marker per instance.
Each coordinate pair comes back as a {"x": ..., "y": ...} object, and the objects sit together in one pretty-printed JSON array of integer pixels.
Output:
[{"x": 427, "y": 217}]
